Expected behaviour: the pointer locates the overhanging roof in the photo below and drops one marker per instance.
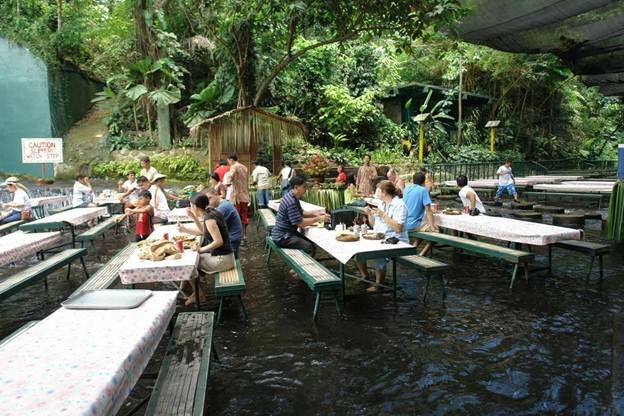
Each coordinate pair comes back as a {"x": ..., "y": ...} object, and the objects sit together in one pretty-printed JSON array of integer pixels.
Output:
[{"x": 587, "y": 34}]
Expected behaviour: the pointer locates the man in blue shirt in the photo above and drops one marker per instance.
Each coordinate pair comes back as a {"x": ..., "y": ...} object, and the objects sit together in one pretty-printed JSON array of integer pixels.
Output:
[
  {"x": 418, "y": 202},
  {"x": 232, "y": 219},
  {"x": 291, "y": 217}
]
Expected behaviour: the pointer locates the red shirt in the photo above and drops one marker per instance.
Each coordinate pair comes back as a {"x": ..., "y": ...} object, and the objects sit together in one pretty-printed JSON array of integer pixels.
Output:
[
  {"x": 221, "y": 170},
  {"x": 342, "y": 177},
  {"x": 143, "y": 224}
]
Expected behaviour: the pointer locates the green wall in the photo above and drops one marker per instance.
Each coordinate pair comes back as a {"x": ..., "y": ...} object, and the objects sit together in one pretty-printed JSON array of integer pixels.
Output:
[
  {"x": 24, "y": 105},
  {"x": 36, "y": 101}
]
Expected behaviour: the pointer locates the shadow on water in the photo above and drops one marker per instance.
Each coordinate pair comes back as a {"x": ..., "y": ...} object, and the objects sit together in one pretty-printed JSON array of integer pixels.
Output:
[{"x": 544, "y": 348}]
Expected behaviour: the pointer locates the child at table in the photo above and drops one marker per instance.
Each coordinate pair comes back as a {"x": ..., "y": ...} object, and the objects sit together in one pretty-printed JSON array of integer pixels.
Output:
[{"x": 144, "y": 213}]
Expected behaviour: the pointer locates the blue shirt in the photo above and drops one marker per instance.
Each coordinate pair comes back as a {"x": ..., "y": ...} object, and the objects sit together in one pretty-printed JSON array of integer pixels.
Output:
[
  {"x": 232, "y": 220},
  {"x": 288, "y": 216},
  {"x": 416, "y": 198}
]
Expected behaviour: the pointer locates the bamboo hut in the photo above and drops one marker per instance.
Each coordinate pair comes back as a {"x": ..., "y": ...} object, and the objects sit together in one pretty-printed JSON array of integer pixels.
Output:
[{"x": 243, "y": 130}]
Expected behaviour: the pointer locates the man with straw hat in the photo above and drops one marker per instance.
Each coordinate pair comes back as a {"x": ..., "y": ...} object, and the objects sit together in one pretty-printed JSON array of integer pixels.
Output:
[{"x": 19, "y": 207}]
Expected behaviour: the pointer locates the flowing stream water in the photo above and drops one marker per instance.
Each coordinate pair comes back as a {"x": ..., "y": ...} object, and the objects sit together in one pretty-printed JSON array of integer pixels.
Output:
[{"x": 548, "y": 347}]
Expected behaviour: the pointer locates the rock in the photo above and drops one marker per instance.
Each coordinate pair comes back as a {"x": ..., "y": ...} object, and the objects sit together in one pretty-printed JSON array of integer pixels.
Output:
[
  {"x": 124, "y": 152},
  {"x": 492, "y": 203},
  {"x": 569, "y": 219},
  {"x": 548, "y": 208},
  {"x": 64, "y": 171},
  {"x": 522, "y": 205},
  {"x": 493, "y": 213},
  {"x": 531, "y": 215}
]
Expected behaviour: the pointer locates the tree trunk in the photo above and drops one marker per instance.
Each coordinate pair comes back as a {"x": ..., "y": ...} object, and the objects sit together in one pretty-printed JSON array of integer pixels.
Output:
[
  {"x": 164, "y": 128},
  {"x": 59, "y": 14}
]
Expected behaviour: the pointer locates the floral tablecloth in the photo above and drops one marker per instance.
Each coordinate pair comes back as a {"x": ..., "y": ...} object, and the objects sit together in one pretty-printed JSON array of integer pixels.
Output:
[
  {"x": 19, "y": 245},
  {"x": 274, "y": 205},
  {"x": 178, "y": 215},
  {"x": 135, "y": 270},
  {"x": 48, "y": 200},
  {"x": 81, "y": 362},
  {"x": 344, "y": 251},
  {"x": 507, "y": 229},
  {"x": 74, "y": 216}
]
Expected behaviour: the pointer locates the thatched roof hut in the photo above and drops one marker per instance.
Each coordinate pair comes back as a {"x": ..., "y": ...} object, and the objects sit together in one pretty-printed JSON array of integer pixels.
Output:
[{"x": 244, "y": 130}]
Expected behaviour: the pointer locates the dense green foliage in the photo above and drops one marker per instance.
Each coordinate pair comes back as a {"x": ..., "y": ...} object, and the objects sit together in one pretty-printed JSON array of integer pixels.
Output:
[
  {"x": 328, "y": 63},
  {"x": 179, "y": 167}
]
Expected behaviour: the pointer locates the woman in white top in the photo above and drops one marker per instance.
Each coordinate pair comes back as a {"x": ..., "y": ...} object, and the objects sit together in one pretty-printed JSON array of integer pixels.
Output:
[
  {"x": 20, "y": 206},
  {"x": 82, "y": 195},
  {"x": 390, "y": 219},
  {"x": 469, "y": 197}
]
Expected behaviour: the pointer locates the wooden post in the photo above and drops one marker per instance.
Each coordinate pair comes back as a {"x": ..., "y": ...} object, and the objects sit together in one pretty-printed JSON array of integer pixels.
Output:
[
  {"x": 421, "y": 141},
  {"x": 459, "y": 105},
  {"x": 43, "y": 171},
  {"x": 492, "y": 139}
]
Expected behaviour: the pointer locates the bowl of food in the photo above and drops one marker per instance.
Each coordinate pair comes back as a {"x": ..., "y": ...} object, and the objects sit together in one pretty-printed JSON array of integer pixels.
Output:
[
  {"x": 373, "y": 236},
  {"x": 346, "y": 236}
]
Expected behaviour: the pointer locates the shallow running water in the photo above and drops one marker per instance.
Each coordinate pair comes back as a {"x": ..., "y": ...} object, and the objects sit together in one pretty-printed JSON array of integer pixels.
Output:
[{"x": 543, "y": 348}]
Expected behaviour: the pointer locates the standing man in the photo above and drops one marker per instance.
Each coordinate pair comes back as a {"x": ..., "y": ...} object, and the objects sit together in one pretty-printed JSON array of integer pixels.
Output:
[
  {"x": 260, "y": 176},
  {"x": 222, "y": 169},
  {"x": 418, "y": 202},
  {"x": 231, "y": 217},
  {"x": 240, "y": 190},
  {"x": 365, "y": 180},
  {"x": 159, "y": 199},
  {"x": 506, "y": 182},
  {"x": 147, "y": 169},
  {"x": 284, "y": 177},
  {"x": 291, "y": 217}
]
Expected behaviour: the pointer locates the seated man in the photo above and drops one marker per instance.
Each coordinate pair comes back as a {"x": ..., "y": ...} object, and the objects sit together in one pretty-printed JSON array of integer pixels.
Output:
[
  {"x": 291, "y": 217},
  {"x": 232, "y": 219},
  {"x": 82, "y": 195},
  {"x": 418, "y": 202},
  {"x": 469, "y": 197}
]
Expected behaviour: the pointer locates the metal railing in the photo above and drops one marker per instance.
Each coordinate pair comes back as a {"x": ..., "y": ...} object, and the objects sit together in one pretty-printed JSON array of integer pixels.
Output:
[{"x": 487, "y": 170}]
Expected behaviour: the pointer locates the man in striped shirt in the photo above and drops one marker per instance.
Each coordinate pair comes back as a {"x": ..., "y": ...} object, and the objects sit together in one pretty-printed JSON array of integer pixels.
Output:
[{"x": 291, "y": 217}]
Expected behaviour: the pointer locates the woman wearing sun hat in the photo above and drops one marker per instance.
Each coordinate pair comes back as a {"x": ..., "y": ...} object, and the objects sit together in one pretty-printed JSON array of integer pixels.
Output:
[{"x": 19, "y": 207}]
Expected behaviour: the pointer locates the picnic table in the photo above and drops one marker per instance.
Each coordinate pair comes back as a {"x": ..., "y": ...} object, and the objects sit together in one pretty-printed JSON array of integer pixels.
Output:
[
  {"x": 48, "y": 200},
  {"x": 274, "y": 205},
  {"x": 136, "y": 270},
  {"x": 81, "y": 362},
  {"x": 70, "y": 218},
  {"x": 108, "y": 200},
  {"x": 590, "y": 188},
  {"x": 360, "y": 250},
  {"x": 507, "y": 229},
  {"x": 178, "y": 215},
  {"x": 161, "y": 229},
  {"x": 19, "y": 245}
]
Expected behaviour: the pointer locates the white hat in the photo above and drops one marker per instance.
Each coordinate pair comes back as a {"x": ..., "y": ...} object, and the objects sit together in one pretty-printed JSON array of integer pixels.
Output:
[
  {"x": 158, "y": 176},
  {"x": 10, "y": 181}
]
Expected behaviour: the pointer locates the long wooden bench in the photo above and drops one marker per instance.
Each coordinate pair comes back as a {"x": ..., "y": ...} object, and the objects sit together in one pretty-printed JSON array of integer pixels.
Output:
[
  {"x": 97, "y": 230},
  {"x": 517, "y": 257},
  {"x": 429, "y": 267},
  {"x": 318, "y": 278},
  {"x": 591, "y": 249},
  {"x": 181, "y": 384},
  {"x": 576, "y": 195},
  {"x": 266, "y": 218},
  {"x": 18, "y": 332},
  {"x": 230, "y": 283},
  {"x": 10, "y": 227},
  {"x": 41, "y": 270},
  {"x": 53, "y": 211},
  {"x": 107, "y": 275}
]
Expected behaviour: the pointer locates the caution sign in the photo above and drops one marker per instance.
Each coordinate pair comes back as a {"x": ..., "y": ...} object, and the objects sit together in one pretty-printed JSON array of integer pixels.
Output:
[{"x": 42, "y": 150}]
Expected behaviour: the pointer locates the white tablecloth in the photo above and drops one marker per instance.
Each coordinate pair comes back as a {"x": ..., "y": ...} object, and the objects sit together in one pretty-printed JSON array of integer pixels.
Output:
[
  {"x": 75, "y": 216},
  {"x": 48, "y": 200},
  {"x": 81, "y": 362},
  {"x": 507, "y": 229},
  {"x": 274, "y": 205},
  {"x": 178, "y": 215},
  {"x": 135, "y": 270},
  {"x": 344, "y": 251},
  {"x": 161, "y": 229},
  {"x": 19, "y": 245},
  {"x": 586, "y": 189}
]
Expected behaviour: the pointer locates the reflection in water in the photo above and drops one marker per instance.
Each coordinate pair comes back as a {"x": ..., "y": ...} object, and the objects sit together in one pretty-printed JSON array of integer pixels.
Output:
[{"x": 541, "y": 349}]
